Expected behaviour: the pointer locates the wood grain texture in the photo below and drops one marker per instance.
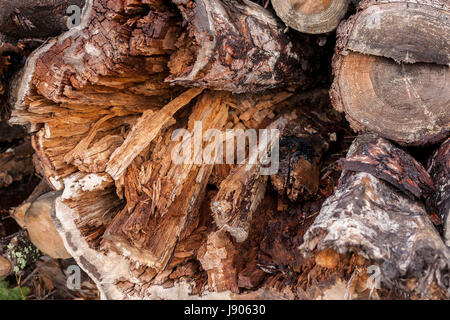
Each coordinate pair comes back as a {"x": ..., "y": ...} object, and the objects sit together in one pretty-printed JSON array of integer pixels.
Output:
[
  {"x": 390, "y": 78},
  {"x": 311, "y": 16}
]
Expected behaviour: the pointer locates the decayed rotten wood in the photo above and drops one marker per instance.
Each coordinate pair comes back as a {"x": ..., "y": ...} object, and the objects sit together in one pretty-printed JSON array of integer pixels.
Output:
[
  {"x": 34, "y": 19},
  {"x": 439, "y": 169},
  {"x": 252, "y": 111},
  {"x": 24, "y": 25},
  {"x": 241, "y": 192},
  {"x": 364, "y": 214},
  {"x": 311, "y": 16},
  {"x": 379, "y": 157},
  {"x": 159, "y": 242},
  {"x": 77, "y": 124},
  {"x": 393, "y": 78},
  {"x": 80, "y": 110},
  {"x": 151, "y": 226},
  {"x": 305, "y": 134},
  {"x": 235, "y": 45},
  {"x": 303, "y": 143},
  {"x": 217, "y": 256}
]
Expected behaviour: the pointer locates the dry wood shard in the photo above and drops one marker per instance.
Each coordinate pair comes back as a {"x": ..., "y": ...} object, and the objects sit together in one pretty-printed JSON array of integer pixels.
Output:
[
  {"x": 151, "y": 230},
  {"x": 241, "y": 192}
]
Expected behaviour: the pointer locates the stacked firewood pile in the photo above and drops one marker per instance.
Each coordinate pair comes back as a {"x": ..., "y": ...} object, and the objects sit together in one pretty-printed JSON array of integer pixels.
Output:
[{"x": 344, "y": 216}]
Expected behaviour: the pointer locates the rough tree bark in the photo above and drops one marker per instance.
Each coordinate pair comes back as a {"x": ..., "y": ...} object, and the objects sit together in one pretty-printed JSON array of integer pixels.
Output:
[
  {"x": 365, "y": 213},
  {"x": 103, "y": 102},
  {"x": 391, "y": 76},
  {"x": 311, "y": 16}
]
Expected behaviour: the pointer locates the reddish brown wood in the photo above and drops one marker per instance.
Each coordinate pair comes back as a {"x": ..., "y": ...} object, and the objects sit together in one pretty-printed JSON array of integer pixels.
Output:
[{"x": 236, "y": 46}]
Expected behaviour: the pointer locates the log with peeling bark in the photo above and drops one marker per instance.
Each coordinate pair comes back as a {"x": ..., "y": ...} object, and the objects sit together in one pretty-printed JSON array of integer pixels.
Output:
[
  {"x": 16, "y": 163},
  {"x": 25, "y": 25},
  {"x": 439, "y": 169},
  {"x": 365, "y": 213},
  {"x": 379, "y": 157},
  {"x": 392, "y": 76},
  {"x": 311, "y": 16},
  {"x": 235, "y": 45}
]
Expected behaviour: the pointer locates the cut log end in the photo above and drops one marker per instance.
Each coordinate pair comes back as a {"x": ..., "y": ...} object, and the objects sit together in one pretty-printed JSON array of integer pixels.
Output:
[{"x": 311, "y": 16}]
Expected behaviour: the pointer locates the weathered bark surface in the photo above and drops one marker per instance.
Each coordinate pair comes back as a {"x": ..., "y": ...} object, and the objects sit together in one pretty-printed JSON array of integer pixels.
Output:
[
  {"x": 235, "y": 45},
  {"x": 376, "y": 84},
  {"x": 311, "y": 16},
  {"x": 380, "y": 158},
  {"x": 242, "y": 191},
  {"x": 40, "y": 19},
  {"x": 439, "y": 170},
  {"x": 103, "y": 116},
  {"x": 364, "y": 214}
]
